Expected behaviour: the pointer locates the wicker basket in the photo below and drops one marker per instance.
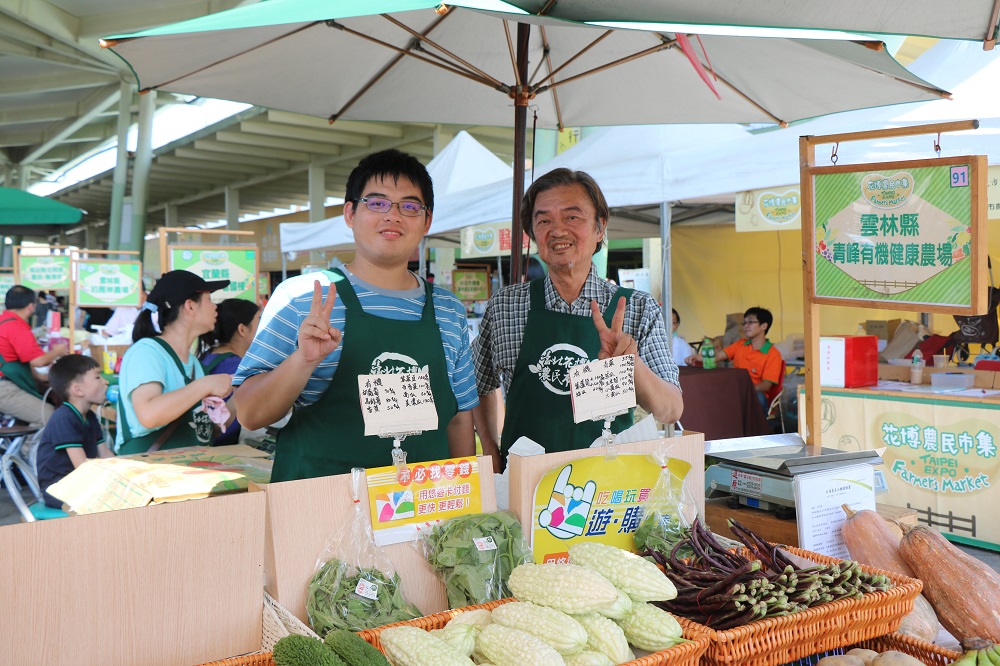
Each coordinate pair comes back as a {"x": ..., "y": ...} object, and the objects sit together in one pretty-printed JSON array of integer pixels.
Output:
[
  {"x": 780, "y": 640},
  {"x": 278, "y": 623},
  {"x": 928, "y": 653},
  {"x": 685, "y": 654}
]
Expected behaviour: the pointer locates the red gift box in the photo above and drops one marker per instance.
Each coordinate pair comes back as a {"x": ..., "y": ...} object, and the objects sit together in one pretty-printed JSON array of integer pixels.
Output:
[{"x": 848, "y": 361}]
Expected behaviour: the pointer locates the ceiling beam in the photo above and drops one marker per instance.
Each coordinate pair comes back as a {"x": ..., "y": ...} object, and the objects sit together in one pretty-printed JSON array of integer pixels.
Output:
[
  {"x": 57, "y": 82},
  {"x": 246, "y": 138},
  {"x": 226, "y": 158},
  {"x": 95, "y": 103},
  {"x": 391, "y": 130},
  {"x": 305, "y": 133},
  {"x": 239, "y": 149}
]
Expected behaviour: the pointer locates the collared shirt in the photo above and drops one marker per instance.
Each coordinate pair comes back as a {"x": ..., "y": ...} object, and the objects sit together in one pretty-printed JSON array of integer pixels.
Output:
[
  {"x": 763, "y": 364},
  {"x": 277, "y": 333},
  {"x": 495, "y": 349},
  {"x": 17, "y": 342}
]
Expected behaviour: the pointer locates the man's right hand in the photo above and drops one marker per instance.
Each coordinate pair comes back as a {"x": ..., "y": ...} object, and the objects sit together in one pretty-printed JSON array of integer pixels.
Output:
[{"x": 317, "y": 339}]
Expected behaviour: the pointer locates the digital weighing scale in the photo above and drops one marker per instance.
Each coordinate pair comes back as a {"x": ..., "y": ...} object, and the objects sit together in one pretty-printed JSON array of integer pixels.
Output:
[{"x": 759, "y": 471}]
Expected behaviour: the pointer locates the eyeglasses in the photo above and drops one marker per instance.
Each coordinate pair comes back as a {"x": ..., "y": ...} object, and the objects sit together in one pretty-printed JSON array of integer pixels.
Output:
[
  {"x": 383, "y": 205},
  {"x": 750, "y": 322}
]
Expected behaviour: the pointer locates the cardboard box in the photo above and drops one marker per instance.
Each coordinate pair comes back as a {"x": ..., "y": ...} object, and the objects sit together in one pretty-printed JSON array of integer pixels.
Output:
[
  {"x": 882, "y": 329},
  {"x": 848, "y": 361}
]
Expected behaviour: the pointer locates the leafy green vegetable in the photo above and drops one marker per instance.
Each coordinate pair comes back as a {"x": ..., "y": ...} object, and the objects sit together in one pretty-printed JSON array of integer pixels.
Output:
[
  {"x": 474, "y": 576},
  {"x": 660, "y": 532},
  {"x": 333, "y": 604}
]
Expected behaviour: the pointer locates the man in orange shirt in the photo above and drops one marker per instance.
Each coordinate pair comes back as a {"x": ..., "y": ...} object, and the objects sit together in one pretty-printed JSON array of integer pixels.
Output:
[{"x": 755, "y": 354}]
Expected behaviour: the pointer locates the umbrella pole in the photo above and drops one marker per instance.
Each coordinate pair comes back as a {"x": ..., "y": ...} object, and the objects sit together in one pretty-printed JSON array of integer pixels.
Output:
[{"x": 517, "y": 266}]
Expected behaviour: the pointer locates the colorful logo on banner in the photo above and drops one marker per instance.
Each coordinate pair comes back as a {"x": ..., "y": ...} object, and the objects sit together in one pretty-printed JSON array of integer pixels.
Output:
[
  {"x": 489, "y": 240},
  {"x": 471, "y": 285},
  {"x": 421, "y": 494},
  {"x": 48, "y": 272},
  {"x": 769, "y": 209},
  {"x": 895, "y": 235},
  {"x": 594, "y": 499},
  {"x": 108, "y": 284},
  {"x": 239, "y": 266}
]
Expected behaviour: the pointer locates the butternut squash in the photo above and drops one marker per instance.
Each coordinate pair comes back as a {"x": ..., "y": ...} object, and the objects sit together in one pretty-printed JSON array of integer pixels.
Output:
[
  {"x": 871, "y": 540},
  {"x": 964, "y": 592}
]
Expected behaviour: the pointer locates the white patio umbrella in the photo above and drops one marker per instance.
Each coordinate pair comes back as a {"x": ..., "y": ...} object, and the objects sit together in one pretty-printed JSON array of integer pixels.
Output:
[{"x": 421, "y": 61}]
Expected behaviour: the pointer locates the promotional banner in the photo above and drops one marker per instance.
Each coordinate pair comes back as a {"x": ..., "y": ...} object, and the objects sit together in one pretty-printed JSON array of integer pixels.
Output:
[
  {"x": 594, "y": 499},
  {"x": 401, "y": 499},
  {"x": 904, "y": 232},
  {"x": 489, "y": 240},
  {"x": 471, "y": 285},
  {"x": 940, "y": 458},
  {"x": 44, "y": 272},
  {"x": 264, "y": 284},
  {"x": 769, "y": 209},
  {"x": 238, "y": 265},
  {"x": 108, "y": 283}
]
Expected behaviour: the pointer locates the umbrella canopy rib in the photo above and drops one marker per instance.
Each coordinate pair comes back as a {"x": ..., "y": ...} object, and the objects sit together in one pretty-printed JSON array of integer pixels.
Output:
[
  {"x": 570, "y": 61},
  {"x": 667, "y": 44},
  {"x": 235, "y": 55},
  {"x": 424, "y": 39},
  {"x": 547, "y": 59},
  {"x": 991, "y": 28},
  {"x": 513, "y": 57}
]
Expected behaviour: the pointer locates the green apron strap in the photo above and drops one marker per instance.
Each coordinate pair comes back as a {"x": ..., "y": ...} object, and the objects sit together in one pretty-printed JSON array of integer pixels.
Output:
[{"x": 216, "y": 362}]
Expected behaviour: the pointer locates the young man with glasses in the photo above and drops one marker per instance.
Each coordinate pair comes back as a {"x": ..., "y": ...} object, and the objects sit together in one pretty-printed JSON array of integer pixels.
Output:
[
  {"x": 373, "y": 316},
  {"x": 755, "y": 354}
]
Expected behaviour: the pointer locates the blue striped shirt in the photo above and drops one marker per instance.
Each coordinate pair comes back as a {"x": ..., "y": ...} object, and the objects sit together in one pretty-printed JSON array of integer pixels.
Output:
[{"x": 277, "y": 335}]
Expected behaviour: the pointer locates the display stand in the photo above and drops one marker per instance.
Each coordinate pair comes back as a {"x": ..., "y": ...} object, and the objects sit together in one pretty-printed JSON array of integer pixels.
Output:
[
  {"x": 158, "y": 586},
  {"x": 302, "y": 515},
  {"x": 527, "y": 471}
]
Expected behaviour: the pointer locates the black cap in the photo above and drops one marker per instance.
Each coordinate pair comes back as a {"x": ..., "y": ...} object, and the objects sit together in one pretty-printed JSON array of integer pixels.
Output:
[{"x": 175, "y": 287}]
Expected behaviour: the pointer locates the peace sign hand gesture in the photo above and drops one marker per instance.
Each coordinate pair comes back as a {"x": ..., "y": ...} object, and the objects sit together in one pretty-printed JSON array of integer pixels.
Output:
[
  {"x": 317, "y": 339},
  {"x": 614, "y": 342}
]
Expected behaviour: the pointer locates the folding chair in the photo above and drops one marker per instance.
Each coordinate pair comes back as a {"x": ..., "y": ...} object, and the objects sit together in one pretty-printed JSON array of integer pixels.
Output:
[{"x": 12, "y": 440}]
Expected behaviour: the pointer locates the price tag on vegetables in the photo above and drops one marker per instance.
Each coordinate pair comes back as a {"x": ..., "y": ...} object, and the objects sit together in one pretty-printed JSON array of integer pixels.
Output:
[
  {"x": 366, "y": 589},
  {"x": 602, "y": 388},
  {"x": 484, "y": 543},
  {"x": 397, "y": 404}
]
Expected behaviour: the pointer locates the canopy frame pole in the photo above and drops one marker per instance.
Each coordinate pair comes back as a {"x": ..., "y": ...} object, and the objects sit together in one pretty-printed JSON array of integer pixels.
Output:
[
  {"x": 991, "y": 28},
  {"x": 517, "y": 263},
  {"x": 610, "y": 65},
  {"x": 547, "y": 60},
  {"x": 580, "y": 53},
  {"x": 423, "y": 38}
]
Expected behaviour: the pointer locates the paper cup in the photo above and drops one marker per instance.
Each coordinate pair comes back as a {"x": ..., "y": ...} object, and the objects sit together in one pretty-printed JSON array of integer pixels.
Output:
[{"x": 940, "y": 360}]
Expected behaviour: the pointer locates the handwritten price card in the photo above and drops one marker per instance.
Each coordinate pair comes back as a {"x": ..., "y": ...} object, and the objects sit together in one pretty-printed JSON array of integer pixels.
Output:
[
  {"x": 397, "y": 404},
  {"x": 602, "y": 388}
]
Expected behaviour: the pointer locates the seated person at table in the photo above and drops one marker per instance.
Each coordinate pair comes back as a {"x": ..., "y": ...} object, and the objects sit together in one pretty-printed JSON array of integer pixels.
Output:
[
  {"x": 162, "y": 384},
  {"x": 755, "y": 354},
  {"x": 532, "y": 333},
  {"x": 678, "y": 345},
  {"x": 235, "y": 327},
  {"x": 73, "y": 433}
]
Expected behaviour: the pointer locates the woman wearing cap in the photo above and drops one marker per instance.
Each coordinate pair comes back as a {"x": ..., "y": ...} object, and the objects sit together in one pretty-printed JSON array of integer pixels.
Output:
[{"x": 162, "y": 384}]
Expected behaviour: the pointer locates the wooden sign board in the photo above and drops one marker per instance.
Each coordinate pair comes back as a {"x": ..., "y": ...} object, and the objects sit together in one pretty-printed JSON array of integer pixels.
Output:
[
  {"x": 899, "y": 235},
  {"x": 303, "y": 515},
  {"x": 161, "y": 585}
]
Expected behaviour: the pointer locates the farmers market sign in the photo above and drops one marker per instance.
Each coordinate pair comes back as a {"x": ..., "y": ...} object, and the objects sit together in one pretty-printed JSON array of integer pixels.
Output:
[
  {"x": 421, "y": 494},
  {"x": 238, "y": 265},
  {"x": 108, "y": 283},
  {"x": 45, "y": 272},
  {"x": 901, "y": 234},
  {"x": 6, "y": 282},
  {"x": 594, "y": 499}
]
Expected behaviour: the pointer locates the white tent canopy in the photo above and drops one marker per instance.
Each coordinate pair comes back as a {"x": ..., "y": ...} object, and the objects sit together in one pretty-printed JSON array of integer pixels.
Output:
[{"x": 464, "y": 163}]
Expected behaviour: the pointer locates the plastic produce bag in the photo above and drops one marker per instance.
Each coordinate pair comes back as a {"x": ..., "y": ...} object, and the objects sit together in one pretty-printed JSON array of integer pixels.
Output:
[
  {"x": 669, "y": 510},
  {"x": 474, "y": 555},
  {"x": 355, "y": 586}
]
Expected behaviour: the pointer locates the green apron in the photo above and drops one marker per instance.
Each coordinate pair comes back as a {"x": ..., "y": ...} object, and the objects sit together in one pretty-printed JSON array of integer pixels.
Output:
[
  {"x": 19, "y": 373},
  {"x": 327, "y": 437},
  {"x": 538, "y": 402},
  {"x": 192, "y": 428}
]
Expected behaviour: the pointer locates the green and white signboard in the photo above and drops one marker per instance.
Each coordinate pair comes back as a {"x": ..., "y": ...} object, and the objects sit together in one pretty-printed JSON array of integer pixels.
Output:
[
  {"x": 236, "y": 264},
  {"x": 44, "y": 272},
  {"x": 6, "y": 282},
  {"x": 901, "y": 235},
  {"x": 108, "y": 283}
]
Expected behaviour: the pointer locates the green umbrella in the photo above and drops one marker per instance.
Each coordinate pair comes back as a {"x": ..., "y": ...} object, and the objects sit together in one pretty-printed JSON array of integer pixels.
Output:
[
  {"x": 24, "y": 213},
  {"x": 478, "y": 62}
]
